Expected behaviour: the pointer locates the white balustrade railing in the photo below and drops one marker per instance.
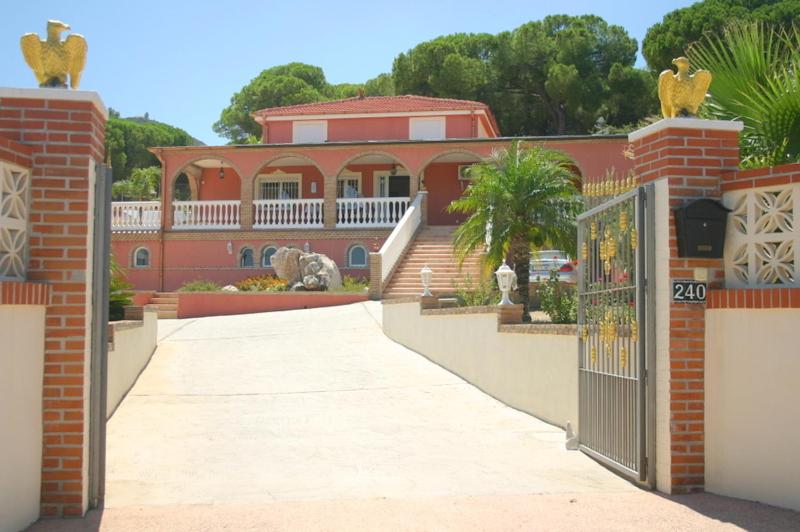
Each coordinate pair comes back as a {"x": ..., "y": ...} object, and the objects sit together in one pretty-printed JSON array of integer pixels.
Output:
[
  {"x": 392, "y": 250},
  {"x": 762, "y": 245},
  {"x": 370, "y": 212},
  {"x": 135, "y": 215},
  {"x": 281, "y": 214},
  {"x": 219, "y": 214}
]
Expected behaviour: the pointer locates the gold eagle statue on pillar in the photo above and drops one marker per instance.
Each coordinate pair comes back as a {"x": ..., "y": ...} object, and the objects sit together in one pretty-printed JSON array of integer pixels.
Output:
[
  {"x": 53, "y": 59},
  {"x": 681, "y": 94}
]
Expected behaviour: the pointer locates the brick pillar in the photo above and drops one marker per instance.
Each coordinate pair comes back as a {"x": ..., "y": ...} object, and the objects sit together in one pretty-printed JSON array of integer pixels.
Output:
[
  {"x": 246, "y": 208},
  {"x": 375, "y": 276},
  {"x": 329, "y": 207},
  {"x": 65, "y": 131},
  {"x": 685, "y": 157}
]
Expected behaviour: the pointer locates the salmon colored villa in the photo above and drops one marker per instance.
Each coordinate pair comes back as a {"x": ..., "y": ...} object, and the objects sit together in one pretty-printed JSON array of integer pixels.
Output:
[{"x": 336, "y": 177}]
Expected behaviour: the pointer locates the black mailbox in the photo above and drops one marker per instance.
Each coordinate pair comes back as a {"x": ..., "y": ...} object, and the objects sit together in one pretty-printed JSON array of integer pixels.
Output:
[{"x": 700, "y": 227}]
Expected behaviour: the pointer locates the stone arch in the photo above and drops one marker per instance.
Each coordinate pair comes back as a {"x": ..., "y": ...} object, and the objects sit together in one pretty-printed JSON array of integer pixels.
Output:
[
  {"x": 453, "y": 151},
  {"x": 355, "y": 157},
  {"x": 277, "y": 157},
  {"x": 174, "y": 175}
]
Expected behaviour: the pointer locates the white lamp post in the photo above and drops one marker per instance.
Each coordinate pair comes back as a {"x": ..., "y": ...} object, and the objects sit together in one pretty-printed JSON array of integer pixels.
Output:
[
  {"x": 426, "y": 274},
  {"x": 505, "y": 278}
]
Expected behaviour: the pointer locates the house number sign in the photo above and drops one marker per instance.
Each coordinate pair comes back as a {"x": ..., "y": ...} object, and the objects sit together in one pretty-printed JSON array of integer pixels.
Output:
[{"x": 687, "y": 291}]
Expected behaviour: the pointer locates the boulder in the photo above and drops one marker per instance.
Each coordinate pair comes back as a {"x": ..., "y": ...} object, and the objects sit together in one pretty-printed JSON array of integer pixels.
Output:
[
  {"x": 286, "y": 262},
  {"x": 229, "y": 288},
  {"x": 314, "y": 270}
]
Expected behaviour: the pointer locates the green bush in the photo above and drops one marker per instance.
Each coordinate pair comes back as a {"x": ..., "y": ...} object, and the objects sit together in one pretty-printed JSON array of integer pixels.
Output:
[
  {"x": 199, "y": 285},
  {"x": 353, "y": 284},
  {"x": 472, "y": 294},
  {"x": 119, "y": 291},
  {"x": 559, "y": 300}
]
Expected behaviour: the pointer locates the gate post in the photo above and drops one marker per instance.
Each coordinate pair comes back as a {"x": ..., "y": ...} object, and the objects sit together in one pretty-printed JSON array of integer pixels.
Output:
[
  {"x": 684, "y": 158},
  {"x": 64, "y": 130}
]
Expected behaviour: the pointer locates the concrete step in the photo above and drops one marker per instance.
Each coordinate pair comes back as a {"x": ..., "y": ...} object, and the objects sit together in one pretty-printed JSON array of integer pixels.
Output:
[
  {"x": 167, "y": 306},
  {"x": 167, "y": 314},
  {"x": 164, "y": 301}
]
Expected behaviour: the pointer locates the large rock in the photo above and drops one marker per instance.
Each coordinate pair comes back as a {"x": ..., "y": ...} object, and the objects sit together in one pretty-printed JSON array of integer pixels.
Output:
[
  {"x": 286, "y": 262},
  {"x": 314, "y": 270}
]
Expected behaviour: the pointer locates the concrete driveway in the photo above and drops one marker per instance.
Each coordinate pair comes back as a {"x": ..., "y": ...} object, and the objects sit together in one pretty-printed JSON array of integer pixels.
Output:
[
  {"x": 319, "y": 404},
  {"x": 314, "y": 420}
]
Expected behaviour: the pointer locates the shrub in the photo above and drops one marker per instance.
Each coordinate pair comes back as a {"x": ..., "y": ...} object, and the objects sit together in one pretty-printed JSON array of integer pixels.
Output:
[
  {"x": 559, "y": 300},
  {"x": 471, "y": 294},
  {"x": 262, "y": 283},
  {"x": 199, "y": 285},
  {"x": 354, "y": 284},
  {"x": 119, "y": 294}
]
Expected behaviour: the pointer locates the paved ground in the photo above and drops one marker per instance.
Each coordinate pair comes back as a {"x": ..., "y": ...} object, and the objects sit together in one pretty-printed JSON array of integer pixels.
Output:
[{"x": 313, "y": 420}]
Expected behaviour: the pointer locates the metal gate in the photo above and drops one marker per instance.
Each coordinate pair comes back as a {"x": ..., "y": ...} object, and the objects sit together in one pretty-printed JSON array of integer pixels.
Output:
[{"x": 615, "y": 326}]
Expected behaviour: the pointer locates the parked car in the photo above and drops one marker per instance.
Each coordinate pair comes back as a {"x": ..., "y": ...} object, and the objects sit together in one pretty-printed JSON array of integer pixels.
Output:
[{"x": 544, "y": 261}]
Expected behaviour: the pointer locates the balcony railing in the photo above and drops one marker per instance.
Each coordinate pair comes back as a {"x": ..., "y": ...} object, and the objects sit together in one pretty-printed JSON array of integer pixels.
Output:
[
  {"x": 135, "y": 216},
  {"x": 267, "y": 214},
  {"x": 220, "y": 214},
  {"x": 282, "y": 214},
  {"x": 370, "y": 212}
]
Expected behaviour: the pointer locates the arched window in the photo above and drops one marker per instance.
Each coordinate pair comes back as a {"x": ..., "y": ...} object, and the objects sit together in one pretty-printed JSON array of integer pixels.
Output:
[
  {"x": 266, "y": 255},
  {"x": 246, "y": 258},
  {"x": 141, "y": 258},
  {"x": 181, "y": 190},
  {"x": 357, "y": 257}
]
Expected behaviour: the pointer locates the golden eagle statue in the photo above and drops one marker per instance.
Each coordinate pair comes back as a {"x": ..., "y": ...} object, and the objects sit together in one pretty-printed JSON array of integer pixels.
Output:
[
  {"x": 681, "y": 94},
  {"x": 53, "y": 59}
]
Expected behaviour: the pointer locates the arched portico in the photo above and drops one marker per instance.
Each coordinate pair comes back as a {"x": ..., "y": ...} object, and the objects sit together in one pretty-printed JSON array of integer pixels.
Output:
[{"x": 445, "y": 177}]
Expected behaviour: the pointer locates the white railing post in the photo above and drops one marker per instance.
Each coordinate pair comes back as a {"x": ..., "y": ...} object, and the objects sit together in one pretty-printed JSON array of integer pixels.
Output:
[
  {"x": 217, "y": 214},
  {"x": 392, "y": 250},
  {"x": 370, "y": 212},
  {"x": 135, "y": 215},
  {"x": 278, "y": 214}
]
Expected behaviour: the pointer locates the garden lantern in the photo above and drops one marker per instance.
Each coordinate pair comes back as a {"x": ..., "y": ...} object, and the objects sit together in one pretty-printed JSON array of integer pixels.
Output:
[
  {"x": 426, "y": 274},
  {"x": 505, "y": 278}
]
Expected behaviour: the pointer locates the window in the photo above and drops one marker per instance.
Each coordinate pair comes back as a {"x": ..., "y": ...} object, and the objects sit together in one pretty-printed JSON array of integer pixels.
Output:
[
  {"x": 427, "y": 128},
  {"x": 348, "y": 187},
  {"x": 309, "y": 132},
  {"x": 246, "y": 258},
  {"x": 357, "y": 257},
  {"x": 141, "y": 258},
  {"x": 281, "y": 186},
  {"x": 266, "y": 255}
]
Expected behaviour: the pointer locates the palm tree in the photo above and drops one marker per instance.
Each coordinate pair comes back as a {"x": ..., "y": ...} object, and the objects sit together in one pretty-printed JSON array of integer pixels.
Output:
[
  {"x": 756, "y": 71},
  {"x": 520, "y": 198}
]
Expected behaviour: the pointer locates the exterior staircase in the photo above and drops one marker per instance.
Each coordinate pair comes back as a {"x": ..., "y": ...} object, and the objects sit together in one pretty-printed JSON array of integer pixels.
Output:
[
  {"x": 166, "y": 303},
  {"x": 433, "y": 247}
]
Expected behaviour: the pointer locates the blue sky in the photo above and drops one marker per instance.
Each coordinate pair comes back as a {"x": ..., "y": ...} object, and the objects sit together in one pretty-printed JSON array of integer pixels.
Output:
[{"x": 182, "y": 61}]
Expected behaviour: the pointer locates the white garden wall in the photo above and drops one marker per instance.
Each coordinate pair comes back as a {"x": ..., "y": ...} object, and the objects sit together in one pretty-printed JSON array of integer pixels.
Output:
[
  {"x": 752, "y": 405},
  {"x": 21, "y": 373},
  {"x": 133, "y": 344},
  {"x": 533, "y": 372}
]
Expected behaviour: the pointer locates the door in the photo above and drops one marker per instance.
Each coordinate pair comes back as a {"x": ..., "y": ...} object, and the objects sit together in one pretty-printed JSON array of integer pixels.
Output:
[
  {"x": 399, "y": 186},
  {"x": 615, "y": 328}
]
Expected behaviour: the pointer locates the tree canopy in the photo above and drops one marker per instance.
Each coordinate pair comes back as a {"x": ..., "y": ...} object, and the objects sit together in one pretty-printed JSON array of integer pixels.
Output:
[
  {"x": 671, "y": 37},
  {"x": 127, "y": 140},
  {"x": 756, "y": 71},
  {"x": 560, "y": 75},
  {"x": 554, "y": 76},
  {"x": 290, "y": 84}
]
